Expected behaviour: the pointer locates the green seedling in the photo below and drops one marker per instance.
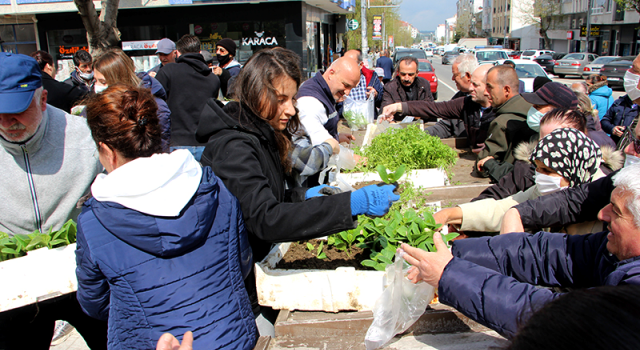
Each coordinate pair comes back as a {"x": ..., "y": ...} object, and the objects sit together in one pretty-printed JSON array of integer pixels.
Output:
[
  {"x": 20, "y": 244},
  {"x": 392, "y": 177},
  {"x": 318, "y": 253}
]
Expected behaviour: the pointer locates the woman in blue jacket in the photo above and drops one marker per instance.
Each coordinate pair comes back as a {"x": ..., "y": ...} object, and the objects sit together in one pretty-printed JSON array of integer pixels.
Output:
[
  {"x": 601, "y": 95},
  {"x": 161, "y": 246}
]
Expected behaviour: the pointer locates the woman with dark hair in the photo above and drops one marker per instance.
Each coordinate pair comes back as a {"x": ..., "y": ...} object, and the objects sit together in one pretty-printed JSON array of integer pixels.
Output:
[
  {"x": 590, "y": 319},
  {"x": 114, "y": 66},
  {"x": 60, "y": 95},
  {"x": 248, "y": 148},
  {"x": 161, "y": 246}
]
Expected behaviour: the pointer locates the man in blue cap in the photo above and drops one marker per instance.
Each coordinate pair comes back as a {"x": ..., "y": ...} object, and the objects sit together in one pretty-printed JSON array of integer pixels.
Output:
[
  {"x": 166, "y": 51},
  {"x": 48, "y": 161}
]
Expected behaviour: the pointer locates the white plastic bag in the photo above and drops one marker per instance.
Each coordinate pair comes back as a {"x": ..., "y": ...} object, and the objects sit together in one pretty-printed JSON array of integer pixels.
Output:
[
  {"x": 400, "y": 305},
  {"x": 346, "y": 160},
  {"x": 359, "y": 113}
]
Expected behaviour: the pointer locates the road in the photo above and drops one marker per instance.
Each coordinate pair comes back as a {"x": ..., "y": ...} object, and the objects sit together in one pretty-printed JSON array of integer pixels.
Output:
[{"x": 447, "y": 87}]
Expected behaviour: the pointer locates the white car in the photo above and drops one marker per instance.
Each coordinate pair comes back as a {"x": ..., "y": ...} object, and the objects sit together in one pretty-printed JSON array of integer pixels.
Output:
[
  {"x": 533, "y": 54},
  {"x": 527, "y": 71},
  {"x": 429, "y": 52},
  {"x": 491, "y": 55}
]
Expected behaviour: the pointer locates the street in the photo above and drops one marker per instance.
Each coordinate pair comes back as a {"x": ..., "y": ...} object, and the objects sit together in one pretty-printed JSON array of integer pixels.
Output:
[{"x": 447, "y": 87}]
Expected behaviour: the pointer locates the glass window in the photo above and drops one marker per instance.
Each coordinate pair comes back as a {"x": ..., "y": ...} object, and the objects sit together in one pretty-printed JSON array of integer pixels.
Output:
[
  {"x": 603, "y": 60},
  {"x": 424, "y": 67},
  {"x": 18, "y": 38},
  {"x": 574, "y": 56},
  {"x": 529, "y": 71}
]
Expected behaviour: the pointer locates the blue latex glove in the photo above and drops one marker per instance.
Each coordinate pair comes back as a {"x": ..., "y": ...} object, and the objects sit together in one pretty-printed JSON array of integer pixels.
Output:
[
  {"x": 317, "y": 191},
  {"x": 373, "y": 200}
]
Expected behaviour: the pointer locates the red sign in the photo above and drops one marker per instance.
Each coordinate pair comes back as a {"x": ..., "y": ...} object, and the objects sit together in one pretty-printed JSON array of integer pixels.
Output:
[
  {"x": 570, "y": 35},
  {"x": 71, "y": 50}
]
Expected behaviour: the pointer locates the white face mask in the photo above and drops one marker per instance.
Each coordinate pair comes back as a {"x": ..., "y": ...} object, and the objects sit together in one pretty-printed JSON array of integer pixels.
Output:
[
  {"x": 533, "y": 118},
  {"x": 631, "y": 85},
  {"x": 630, "y": 160},
  {"x": 547, "y": 184},
  {"x": 85, "y": 76},
  {"x": 99, "y": 88}
]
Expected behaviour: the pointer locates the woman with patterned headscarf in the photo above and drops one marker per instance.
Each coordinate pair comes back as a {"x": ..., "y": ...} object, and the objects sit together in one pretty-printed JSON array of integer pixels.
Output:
[{"x": 565, "y": 157}]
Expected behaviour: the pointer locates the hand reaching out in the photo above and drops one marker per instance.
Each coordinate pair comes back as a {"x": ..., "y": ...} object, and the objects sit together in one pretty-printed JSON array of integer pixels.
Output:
[
  {"x": 427, "y": 266},
  {"x": 168, "y": 342}
]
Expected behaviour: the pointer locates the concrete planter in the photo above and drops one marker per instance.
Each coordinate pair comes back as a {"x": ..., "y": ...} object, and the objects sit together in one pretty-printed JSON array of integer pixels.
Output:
[
  {"x": 419, "y": 178},
  {"x": 40, "y": 275}
]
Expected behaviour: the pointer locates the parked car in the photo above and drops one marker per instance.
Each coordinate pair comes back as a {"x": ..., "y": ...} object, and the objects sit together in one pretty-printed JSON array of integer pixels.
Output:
[
  {"x": 527, "y": 70},
  {"x": 532, "y": 54},
  {"x": 417, "y": 53},
  {"x": 514, "y": 55},
  {"x": 616, "y": 69},
  {"x": 595, "y": 66},
  {"x": 573, "y": 63},
  {"x": 545, "y": 61},
  {"x": 449, "y": 56},
  {"x": 558, "y": 55},
  {"x": 491, "y": 55},
  {"x": 425, "y": 70}
]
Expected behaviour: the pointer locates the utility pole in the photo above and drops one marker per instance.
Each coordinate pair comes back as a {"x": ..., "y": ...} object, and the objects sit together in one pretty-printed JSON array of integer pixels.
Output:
[
  {"x": 363, "y": 24},
  {"x": 588, "y": 23}
]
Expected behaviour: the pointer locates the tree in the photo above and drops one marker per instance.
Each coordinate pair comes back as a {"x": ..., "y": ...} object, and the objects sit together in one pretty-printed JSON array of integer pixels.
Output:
[
  {"x": 393, "y": 24},
  {"x": 102, "y": 30},
  {"x": 544, "y": 14}
]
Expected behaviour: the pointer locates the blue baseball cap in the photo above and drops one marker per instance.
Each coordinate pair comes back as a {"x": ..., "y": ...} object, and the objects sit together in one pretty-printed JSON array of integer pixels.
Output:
[
  {"x": 20, "y": 77},
  {"x": 165, "y": 46}
]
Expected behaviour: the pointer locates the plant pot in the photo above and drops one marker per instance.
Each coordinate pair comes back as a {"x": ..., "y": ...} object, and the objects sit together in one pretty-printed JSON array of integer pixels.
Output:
[
  {"x": 40, "y": 275},
  {"x": 419, "y": 178}
]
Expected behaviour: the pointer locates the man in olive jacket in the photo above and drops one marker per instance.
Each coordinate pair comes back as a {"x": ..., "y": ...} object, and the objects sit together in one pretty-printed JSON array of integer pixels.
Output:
[{"x": 509, "y": 128}]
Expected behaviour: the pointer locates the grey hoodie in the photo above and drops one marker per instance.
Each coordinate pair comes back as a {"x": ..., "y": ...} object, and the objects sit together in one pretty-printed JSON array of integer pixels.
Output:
[{"x": 42, "y": 179}]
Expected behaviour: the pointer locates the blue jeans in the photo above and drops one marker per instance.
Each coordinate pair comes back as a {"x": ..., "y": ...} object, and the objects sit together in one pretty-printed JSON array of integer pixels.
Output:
[{"x": 195, "y": 150}]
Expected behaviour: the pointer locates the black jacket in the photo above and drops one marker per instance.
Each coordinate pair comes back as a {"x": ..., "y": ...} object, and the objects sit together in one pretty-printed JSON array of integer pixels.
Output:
[
  {"x": 573, "y": 205},
  {"x": 393, "y": 91},
  {"x": 189, "y": 83},
  {"x": 242, "y": 151},
  {"x": 61, "y": 95}
]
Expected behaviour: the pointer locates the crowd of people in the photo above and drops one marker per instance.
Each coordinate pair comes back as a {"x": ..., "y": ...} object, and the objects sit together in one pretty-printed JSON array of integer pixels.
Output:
[{"x": 177, "y": 192}]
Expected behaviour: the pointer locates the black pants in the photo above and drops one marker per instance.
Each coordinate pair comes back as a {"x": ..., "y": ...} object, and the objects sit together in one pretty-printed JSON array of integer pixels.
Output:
[{"x": 31, "y": 327}]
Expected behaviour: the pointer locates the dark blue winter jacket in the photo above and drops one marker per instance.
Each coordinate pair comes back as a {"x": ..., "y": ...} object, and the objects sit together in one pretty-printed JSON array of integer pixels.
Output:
[
  {"x": 493, "y": 280},
  {"x": 163, "y": 113},
  {"x": 622, "y": 112},
  {"x": 150, "y": 275}
]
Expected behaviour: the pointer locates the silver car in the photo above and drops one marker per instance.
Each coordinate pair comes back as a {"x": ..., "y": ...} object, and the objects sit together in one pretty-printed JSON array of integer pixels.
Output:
[
  {"x": 573, "y": 63},
  {"x": 595, "y": 66}
]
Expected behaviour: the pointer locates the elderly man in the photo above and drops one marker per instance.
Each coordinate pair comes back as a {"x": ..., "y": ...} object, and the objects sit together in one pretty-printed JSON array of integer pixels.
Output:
[
  {"x": 369, "y": 82},
  {"x": 48, "y": 161},
  {"x": 495, "y": 280},
  {"x": 167, "y": 53},
  {"x": 474, "y": 111},
  {"x": 317, "y": 98},
  {"x": 407, "y": 86},
  {"x": 510, "y": 126}
]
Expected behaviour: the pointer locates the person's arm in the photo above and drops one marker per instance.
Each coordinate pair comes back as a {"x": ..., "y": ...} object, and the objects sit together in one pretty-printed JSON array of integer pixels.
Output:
[
  {"x": 164, "y": 116},
  {"x": 520, "y": 179},
  {"x": 572, "y": 205},
  {"x": 313, "y": 116},
  {"x": 496, "y": 143},
  {"x": 451, "y": 109},
  {"x": 606, "y": 122},
  {"x": 244, "y": 248},
  {"x": 486, "y": 215},
  {"x": 164, "y": 80},
  {"x": 309, "y": 160},
  {"x": 265, "y": 216},
  {"x": 387, "y": 95},
  {"x": 93, "y": 288}
]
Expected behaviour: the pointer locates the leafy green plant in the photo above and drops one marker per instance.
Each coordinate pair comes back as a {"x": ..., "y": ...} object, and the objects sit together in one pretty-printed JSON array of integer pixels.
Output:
[
  {"x": 356, "y": 120},
  {"x": 20, "y": 244},
  {"x": 391, "y": 177},
  {"x": 318, "y": 253},
  {"x": 408, "y": 146}
]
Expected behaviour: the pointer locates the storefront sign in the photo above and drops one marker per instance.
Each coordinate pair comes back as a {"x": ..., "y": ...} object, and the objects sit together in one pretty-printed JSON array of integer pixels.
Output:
[
  {"x": 390, "y": 40},
  {"x": 570, "y": 35},
  {"x": 595, "y": 31},
  {"x": 260, "y": 39},
  {"x": 65, "y": 51},
  {"x": 140, "y": 45},
  {"x": 353, "y": 24},
  {"x": 377, "y": 27}
]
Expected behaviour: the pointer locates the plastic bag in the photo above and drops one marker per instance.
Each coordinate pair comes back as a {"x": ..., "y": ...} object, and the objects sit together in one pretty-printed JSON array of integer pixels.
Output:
[
  {"x": 359, "y": 113},
  {"x": 345, "y": 158},
  {"x": 400, "y": 305}
]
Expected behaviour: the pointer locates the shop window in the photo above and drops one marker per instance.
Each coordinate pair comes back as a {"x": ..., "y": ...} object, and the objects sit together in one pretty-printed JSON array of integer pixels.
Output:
[
  {"x": 18, "y": 38},
  {"x": 619, "y": 16}
]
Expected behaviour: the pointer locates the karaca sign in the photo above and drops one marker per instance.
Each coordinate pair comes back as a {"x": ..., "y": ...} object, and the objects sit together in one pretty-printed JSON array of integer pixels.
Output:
[{"x": 260, "y": 39}]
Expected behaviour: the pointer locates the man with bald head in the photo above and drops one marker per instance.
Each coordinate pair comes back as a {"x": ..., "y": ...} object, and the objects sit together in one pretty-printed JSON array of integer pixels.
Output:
[
  {"x": 369, "y": 82},
  {"x": 509, "y": 128},
  {"x": 317, "y": 98},
  {"x": 474, "y": 110}
]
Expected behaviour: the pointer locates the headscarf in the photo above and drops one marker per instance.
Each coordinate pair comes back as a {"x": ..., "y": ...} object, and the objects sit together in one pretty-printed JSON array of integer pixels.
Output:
[{"x": 570, "y": 153}]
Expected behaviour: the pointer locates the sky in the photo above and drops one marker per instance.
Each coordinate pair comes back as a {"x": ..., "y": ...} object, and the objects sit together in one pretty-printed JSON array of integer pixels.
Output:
[{"x": 427, "y": 14}]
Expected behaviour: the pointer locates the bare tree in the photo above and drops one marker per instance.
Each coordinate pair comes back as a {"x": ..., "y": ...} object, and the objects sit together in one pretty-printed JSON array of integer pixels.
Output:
[
  {"x": 102, "y": 29},
  {"x": 544, "y": 14}
]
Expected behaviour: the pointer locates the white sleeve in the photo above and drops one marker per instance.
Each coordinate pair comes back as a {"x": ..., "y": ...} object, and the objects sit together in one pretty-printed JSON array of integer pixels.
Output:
[{"x": 313, "y": 116}]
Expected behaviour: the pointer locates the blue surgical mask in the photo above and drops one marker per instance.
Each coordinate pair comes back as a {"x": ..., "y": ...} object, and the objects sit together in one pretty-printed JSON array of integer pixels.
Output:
[
  {"x": 533, "y": 118},
  {"x": 547, "y": 184}
]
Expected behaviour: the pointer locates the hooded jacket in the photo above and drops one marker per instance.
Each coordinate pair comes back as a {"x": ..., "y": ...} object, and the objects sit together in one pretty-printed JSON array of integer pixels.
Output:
[
  {"x": 162, "y": 247},
  {"x": 164, "y": 114},
  {"x": 42, "y": 179},
  {"x": 495, "y": 280},
  {"x": 506, "y": 131},
  {"x": 601, "y": 97},
  {"x": 242, "y": 151},
  {"x": 189, "y": 83}
]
